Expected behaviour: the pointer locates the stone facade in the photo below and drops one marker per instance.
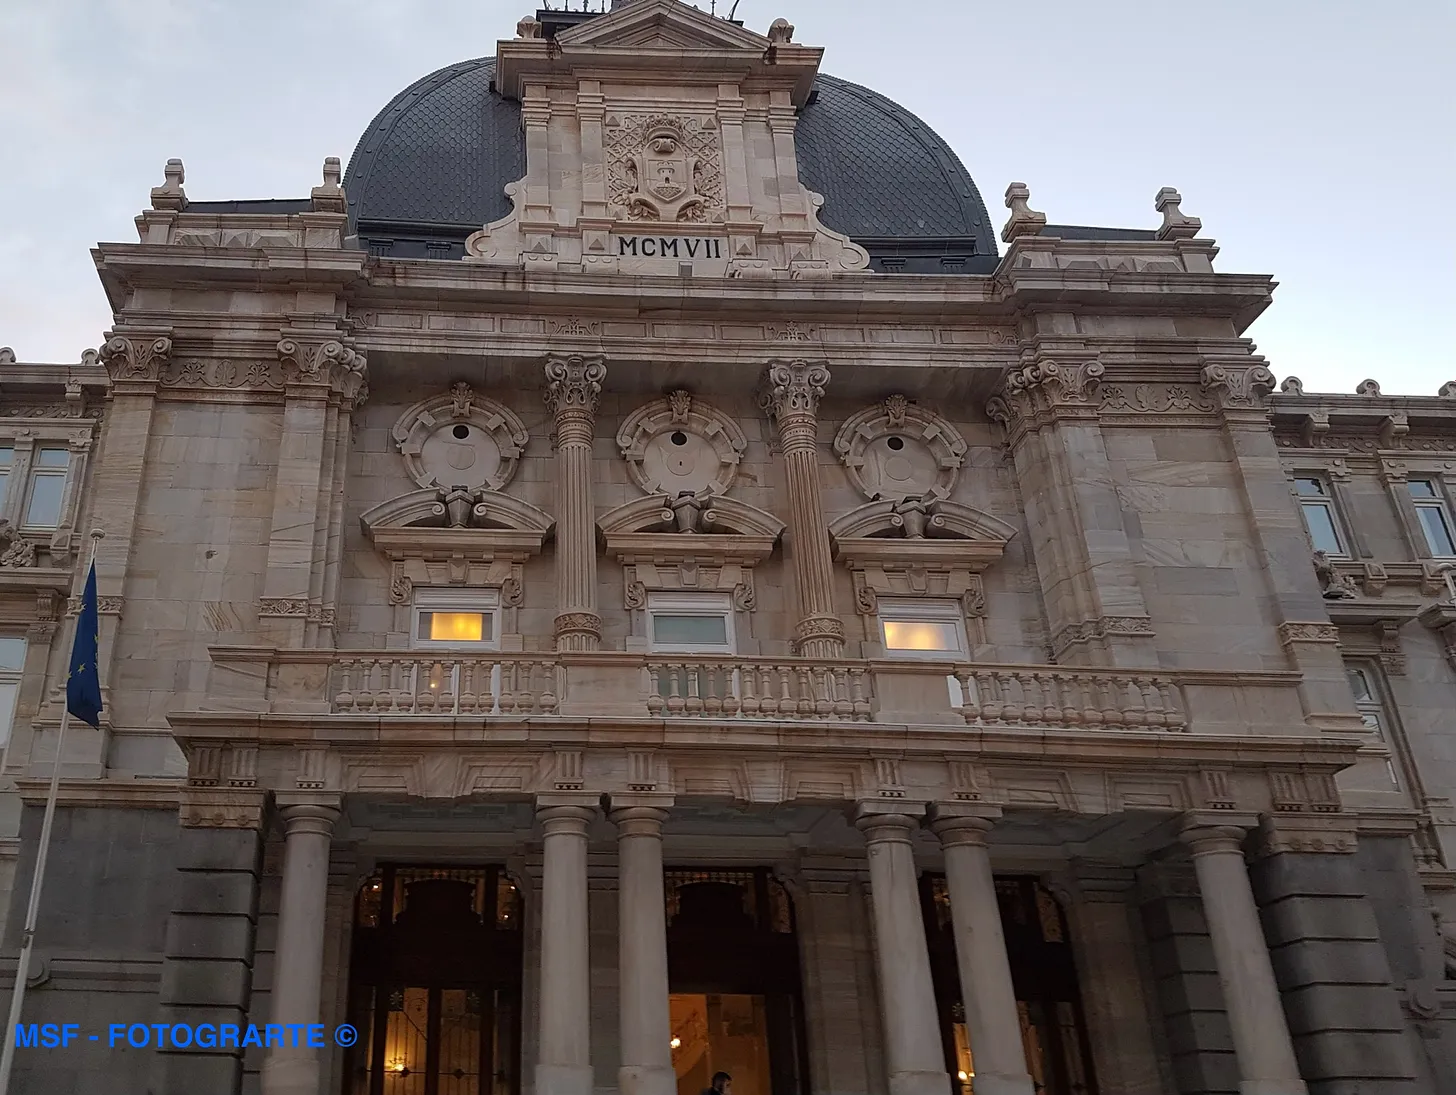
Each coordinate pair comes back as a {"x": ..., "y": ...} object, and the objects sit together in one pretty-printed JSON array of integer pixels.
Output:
[{"x": 1073, "y": 473}]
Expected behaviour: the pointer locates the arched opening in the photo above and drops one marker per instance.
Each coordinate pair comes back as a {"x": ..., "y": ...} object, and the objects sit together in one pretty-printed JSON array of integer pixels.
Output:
[
  {"x": 733, "y": 968},
  {"x": 435, "y": 983},
  {"x": 1048, "y": 1001}
]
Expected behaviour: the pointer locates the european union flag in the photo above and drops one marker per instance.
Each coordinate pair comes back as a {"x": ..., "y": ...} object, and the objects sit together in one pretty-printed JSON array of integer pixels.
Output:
[{"x": 83, "y": 683}]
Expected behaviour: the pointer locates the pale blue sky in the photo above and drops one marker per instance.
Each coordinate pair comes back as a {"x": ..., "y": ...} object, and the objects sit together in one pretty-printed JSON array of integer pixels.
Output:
[{"x": 1315, "y": 138}]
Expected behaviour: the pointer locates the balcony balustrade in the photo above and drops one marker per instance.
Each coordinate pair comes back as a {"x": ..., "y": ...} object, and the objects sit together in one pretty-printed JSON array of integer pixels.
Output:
[{"x": 620, "y": 685}]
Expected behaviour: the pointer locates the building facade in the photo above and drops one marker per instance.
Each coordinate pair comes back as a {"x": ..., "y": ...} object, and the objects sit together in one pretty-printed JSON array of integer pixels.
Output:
[{"x": 629, "y": 581}]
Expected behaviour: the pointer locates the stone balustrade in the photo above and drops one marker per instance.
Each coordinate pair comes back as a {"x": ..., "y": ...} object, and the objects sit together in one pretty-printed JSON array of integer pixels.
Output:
[{"x": 610, "y": 685}]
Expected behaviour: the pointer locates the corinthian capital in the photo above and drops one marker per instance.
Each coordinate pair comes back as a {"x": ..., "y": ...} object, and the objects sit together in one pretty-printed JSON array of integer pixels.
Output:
[
  {"x": 1241, "y": 383},
  {"x": 327, "y": 364},
  {"x": 574, "y": 384},
  {"x": 1044, "y": 387},
  {"x": 793, "y": 388},
  {"x": 136, "y": 356}
]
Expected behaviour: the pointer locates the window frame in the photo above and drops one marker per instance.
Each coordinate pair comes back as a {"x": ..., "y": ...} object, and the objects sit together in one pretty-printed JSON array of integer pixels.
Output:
[
  {"x": 691, "y": 604},
  {"x": 38, "y": 472},
  {"x": 447, "y": 599},
  {"x": 1378, "y": 707},
  {"x": 13, "y": 678},
  {"x": 923, "y": 610},
  {"x": 1325, "y": 499},
  {"x": 1440, "y": 505}
]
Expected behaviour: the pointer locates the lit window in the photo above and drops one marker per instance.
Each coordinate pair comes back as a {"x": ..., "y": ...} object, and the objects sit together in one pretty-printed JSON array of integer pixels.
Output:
[
  {"x": 1434, "y": 517},
  {"x": 1319, "y": 515},
  {"x": 455, "y": 618},
  {"x": 1370, "y": 706},
  {"x": 47, "y": 488},
  {"x": 12, "y": 661},
  {"x": 687, "y": 623},
  {"x": 923, "y": 629}
]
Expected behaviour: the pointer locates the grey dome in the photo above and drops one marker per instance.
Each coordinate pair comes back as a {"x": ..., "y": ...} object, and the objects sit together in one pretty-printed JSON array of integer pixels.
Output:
[{"x": 433, "y": 165}]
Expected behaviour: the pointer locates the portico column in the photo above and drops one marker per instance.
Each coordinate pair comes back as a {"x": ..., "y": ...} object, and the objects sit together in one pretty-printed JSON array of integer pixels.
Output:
[
  {"x": 308, "y": 822},
  {"x": 915, "y": 1061},
  {"x": 573, "y": 386},
  {"x": 992, "y": 1022},
  {"x": 564, "y": 1066},
  {"x": 646, "y": 1026},
  {"x": 1251, "y": 997},
  {"x": 790, "y": 395}
]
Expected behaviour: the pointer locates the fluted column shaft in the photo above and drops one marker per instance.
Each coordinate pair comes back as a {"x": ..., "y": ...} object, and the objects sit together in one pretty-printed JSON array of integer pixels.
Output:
[
  {"x": 914, "y": 1057},
  {"x": 293, "y": 1068},
  {"x": 992, "y": 1022},
  {"x": 1262, "y": 1045},
  {"x": 790, "y": 395},
  {"x": 646, "y": 1025},
  {"x": 573, "y": 387},
  {"x": 564, "y": 1066}
]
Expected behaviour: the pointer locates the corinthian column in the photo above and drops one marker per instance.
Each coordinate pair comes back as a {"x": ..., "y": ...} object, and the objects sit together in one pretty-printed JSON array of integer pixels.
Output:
[
  {"x": 790, "y": 395},
  {"x": 573, "y": 386}
]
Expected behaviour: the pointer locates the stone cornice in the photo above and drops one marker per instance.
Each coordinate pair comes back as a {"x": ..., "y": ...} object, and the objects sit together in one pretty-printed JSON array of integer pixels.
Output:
[{"x": 130, "y": 794}]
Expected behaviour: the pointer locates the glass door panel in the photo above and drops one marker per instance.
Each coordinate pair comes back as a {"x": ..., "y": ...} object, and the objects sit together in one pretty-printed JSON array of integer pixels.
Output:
[{"x": 720, "y": 1032}]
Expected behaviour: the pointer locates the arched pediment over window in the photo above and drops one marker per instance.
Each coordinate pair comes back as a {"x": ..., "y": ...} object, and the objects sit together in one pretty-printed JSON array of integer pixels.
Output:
[
  {"x": 476, "y": 524},
  {"x": 913, "y": 519}
]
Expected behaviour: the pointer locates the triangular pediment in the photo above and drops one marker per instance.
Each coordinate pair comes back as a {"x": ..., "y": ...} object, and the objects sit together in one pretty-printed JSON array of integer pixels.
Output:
[{"x": 661, "y": 24}]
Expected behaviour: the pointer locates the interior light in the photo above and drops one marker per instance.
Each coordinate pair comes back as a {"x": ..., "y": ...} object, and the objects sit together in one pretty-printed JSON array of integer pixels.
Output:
[
  {"x": 676, "y": 1042},
  {"x": 963, "y": 1075},
  {"x": 457, "y": 627},
  {"x": 920, "y": 635}
]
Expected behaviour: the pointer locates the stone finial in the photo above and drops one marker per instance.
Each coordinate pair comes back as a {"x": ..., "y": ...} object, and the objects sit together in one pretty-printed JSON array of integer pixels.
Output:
[
  {"x": 329, "y": 198},
  {"x": 1292, "y": 386},
  {"x": 1368, "y": 387},
  {"x": 1177, "y": 225},
  {"x": 528, "y": 28},
  {"x": 781, "y": 32},
  {"x": 90, "y": 358},
  {"x": 1448, "y": 390},
  {"x": 170, "y": 194},
  {"x": 1024, "y": 221},
  {"x": 7, "y": 356}
]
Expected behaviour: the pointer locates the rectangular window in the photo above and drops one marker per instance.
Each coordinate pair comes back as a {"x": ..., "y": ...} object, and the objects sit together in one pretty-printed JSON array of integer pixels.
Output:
[
  {"x": 47, "y": 488},
  {"x": 455, "y": 619},
  {"x": 1371, "y": 707},
  {"x": 690, "y": 623},
  {"x": 923, "y": 629},
  {"x": 1319, "y": 514},
  {"x": 1433, "y": 515},
  {"x": 7, "y": 461},
  {"x": 12, "y": 661}
]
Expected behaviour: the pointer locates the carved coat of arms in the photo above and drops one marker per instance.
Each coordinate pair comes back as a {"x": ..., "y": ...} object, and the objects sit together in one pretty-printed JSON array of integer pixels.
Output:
[{"x": 664, "y": 168}]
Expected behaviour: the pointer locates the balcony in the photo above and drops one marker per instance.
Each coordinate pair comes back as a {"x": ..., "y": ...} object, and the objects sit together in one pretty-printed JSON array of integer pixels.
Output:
[{"x": 372, "y": 685}]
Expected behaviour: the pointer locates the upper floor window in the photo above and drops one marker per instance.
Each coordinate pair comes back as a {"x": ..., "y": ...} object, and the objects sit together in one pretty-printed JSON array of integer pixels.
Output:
[
  {"x": 7, "y": 461},
  {"x": 455, "y": 619},
  {"x": 47, "y": 488},
  {"x": 12, "y": 661},
  {"x": 691, "y": 623},
  {"x": 1370, "y": 706},
  {"x": 1434, "y": 515},
  {"x": 1319, "y": 514},
  {"x": 923, "y": 629}
]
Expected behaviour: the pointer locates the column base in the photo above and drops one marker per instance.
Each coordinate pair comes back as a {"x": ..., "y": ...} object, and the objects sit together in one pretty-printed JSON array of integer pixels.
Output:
[
  {"x": 920, "y": 1083},
  {"x": 991, "y": 1083},
  {"x": 1268, "y": 1087},
  {"x": 563, "y": 1080},
  {"x": 291, "y": 1073},
  {"x": 646, "y": 1080}
]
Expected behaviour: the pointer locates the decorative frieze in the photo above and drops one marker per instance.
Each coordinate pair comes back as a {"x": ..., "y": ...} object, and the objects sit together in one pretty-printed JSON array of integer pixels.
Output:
[{"x": 1290, "y": 633}]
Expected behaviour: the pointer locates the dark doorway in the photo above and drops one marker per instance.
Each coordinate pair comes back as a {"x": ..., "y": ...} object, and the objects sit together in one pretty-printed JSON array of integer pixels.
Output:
[
  {"x": 733, "y": 965},
  {"x": 435, "y": 983},
  {"x": 1048, "y": 1001}
]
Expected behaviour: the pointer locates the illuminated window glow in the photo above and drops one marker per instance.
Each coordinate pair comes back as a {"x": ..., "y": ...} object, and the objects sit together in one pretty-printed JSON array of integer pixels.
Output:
[
  {"x": 921, "y": 635},
  {"x": 455, "y": 627}
]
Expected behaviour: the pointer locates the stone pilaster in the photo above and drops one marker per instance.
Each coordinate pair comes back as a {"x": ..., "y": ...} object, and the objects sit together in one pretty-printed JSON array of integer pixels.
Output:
[
  {"x": 207, "y": 967},
  {"x": 790, "y": 395},
  {"x": 646, "y": 1025},
  {"x": 308, "y": 821},
  {"x": 992, "y": 1022},
  {"x": 915, "y": 1059},
  {"x": 1095, "y": 609},
  {"x": 1262, "y": 1044},
  {"x": 321, "y": 374},
  {"x": 563, "y": 1065},
  {"x": 1242, "y": 386},
  {"x": 573, "y": 388}
]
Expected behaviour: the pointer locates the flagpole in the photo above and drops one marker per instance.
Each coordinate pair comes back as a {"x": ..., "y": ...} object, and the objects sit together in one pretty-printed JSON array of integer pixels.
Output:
[{"x": 27, "y": 946}]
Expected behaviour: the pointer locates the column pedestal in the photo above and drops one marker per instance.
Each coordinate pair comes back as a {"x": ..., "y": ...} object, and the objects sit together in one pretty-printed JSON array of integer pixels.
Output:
[
  {"x": 298, "y": 959},
  {"x": 564, "y": 1064},
  {"x": 992, "y": 1023},
  {"x": 1251, "y": 997},
  {"x": 914, "y": 1057},
  {"x": 646, "y": 1025}
]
